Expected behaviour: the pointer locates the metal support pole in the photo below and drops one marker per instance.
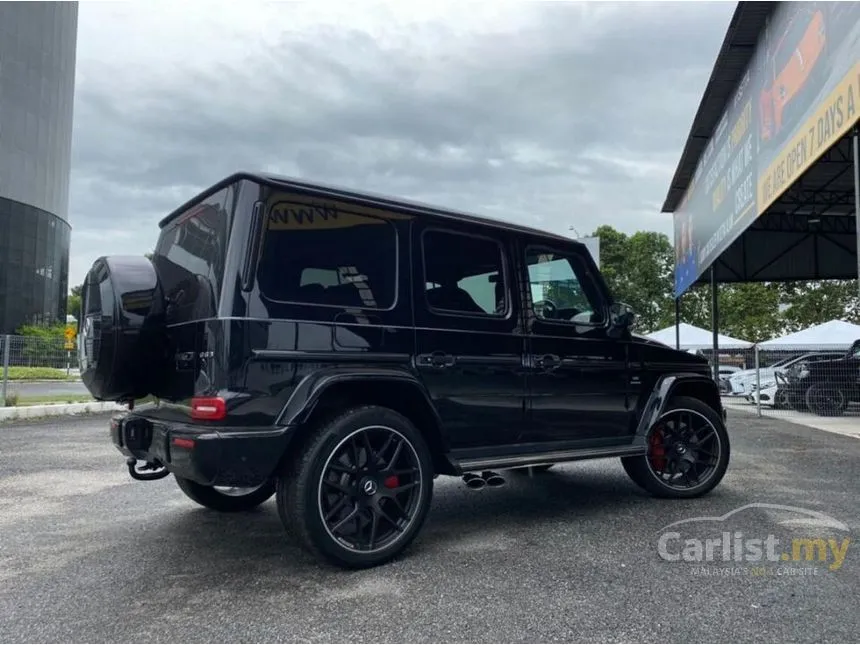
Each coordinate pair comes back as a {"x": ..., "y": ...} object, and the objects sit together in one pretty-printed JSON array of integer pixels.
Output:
[
  {"x": 715, "y": 322},
  {"x": 7, "y": 340},
  {"x": 678, "y": 322},
  {"x": 757, "y": 383},
  {"x": 857, "y": 198}
]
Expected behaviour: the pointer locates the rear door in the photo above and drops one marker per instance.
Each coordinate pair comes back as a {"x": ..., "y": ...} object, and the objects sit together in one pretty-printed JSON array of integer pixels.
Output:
[{"x": 469, "y": 340}]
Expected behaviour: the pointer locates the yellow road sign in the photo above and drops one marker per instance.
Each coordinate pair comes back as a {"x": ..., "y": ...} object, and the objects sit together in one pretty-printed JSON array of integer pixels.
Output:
[{"x": 70, "y": 334}]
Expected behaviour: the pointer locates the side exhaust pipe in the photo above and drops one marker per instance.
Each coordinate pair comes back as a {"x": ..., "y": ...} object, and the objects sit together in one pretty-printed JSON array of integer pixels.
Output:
[
  {"x": 473, "y": 481},
  {"x": 493, "y": 479}
]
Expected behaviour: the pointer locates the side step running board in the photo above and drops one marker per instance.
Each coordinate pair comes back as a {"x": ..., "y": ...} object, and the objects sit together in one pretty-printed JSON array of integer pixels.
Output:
[{"x": 536, "y": 459}]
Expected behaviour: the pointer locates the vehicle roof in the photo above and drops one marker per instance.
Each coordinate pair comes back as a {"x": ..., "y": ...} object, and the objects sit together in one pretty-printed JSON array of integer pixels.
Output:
[{"x": 349, "y": 194}]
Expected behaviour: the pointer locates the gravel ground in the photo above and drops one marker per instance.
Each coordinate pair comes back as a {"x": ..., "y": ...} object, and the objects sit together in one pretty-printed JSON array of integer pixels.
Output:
[{"x": 88, "y": 555}]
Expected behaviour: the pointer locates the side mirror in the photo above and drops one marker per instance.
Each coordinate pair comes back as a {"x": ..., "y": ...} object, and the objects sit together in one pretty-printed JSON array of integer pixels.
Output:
[{"x": 621, "y": 319}]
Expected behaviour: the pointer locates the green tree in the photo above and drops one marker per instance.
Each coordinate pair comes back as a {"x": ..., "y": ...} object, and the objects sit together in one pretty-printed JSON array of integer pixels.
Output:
[
  {"x": 750, "y": 311},
  {"x": 639, "y": 271},
  {"x": 42, "y": 345},
  {"x": 695, "y": 307},
  {"x": 73, "y": 307},
  {"x": 816, "y": 302}
]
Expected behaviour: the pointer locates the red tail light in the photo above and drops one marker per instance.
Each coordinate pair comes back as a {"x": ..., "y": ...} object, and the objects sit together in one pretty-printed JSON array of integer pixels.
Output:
[{"x": 208, "y": 408}]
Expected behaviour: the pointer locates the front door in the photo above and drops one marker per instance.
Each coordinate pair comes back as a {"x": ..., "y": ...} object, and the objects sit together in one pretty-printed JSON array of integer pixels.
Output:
[
  {"x": 469, "y": 339},
  {"x": 578, "y": 376}
]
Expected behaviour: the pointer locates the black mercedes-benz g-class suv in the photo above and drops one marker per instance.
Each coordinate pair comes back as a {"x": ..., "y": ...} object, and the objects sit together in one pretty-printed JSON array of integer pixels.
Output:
[
  {"x": 340, "y": 350},
  {"x": 825, "y": 387}
]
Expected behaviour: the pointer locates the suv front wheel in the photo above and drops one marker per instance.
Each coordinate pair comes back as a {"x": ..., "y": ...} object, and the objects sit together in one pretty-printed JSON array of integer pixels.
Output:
[
  {"x": 688, "y": 452},
  {"x": 358, "y": 492}
]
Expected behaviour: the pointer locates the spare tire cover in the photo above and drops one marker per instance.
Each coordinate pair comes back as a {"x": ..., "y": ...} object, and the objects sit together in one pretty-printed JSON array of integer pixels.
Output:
[{"x": 121, "y": 324}]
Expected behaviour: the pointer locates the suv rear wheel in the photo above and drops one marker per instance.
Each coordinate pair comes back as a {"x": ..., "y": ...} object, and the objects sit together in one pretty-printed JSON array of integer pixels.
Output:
[
  {"x": 358, "y": 492},
  {"x": 688, "y": 452},
  {"x": 224, "y": 499}
]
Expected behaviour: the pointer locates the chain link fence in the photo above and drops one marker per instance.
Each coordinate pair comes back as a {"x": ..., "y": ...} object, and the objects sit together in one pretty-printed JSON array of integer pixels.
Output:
[
  {"x": 38, "y": 369},
  {"x": 798, "y": 383}
]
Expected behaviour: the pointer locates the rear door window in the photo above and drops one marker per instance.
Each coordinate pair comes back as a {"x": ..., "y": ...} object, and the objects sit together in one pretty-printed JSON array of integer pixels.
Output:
[
  {"x": 464, "y": 274},
  {"x": 319, "y": 254}
]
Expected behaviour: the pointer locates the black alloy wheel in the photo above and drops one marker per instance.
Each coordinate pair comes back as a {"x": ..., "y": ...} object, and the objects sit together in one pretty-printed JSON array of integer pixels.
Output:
[
  {"x": 688, "y": 452},
  {"x": 370, "y": 489},
  {"x": 357, "y": 491}
]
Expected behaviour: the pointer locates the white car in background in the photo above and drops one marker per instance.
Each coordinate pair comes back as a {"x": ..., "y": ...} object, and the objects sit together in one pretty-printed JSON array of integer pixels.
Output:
[
  {"x": 770, "y": 396},
  {"x": 743, "y": 383}
]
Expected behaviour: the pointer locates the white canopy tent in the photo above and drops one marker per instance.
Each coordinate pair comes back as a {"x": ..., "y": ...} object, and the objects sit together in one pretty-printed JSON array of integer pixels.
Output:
[
  {"x": 696, "y": 338},
  {"x": 836, "y": 334}
]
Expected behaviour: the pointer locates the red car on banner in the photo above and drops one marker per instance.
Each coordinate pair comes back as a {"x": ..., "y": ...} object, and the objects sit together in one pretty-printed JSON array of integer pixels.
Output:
[{"x": 788, "y": 68}]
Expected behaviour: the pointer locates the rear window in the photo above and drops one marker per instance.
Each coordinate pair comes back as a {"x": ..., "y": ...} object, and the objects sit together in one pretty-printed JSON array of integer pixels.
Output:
[
  {"x": 189, "y": 258},
  {"x": 322, "y": 254}
]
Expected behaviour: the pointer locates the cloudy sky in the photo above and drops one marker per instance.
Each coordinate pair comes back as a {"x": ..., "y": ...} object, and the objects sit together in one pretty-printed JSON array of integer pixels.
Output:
[{"x": 552, "y": 114}]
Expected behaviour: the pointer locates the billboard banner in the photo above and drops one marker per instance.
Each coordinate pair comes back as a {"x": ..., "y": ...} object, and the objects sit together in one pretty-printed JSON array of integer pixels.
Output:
[{"x": 798, "y": 96}]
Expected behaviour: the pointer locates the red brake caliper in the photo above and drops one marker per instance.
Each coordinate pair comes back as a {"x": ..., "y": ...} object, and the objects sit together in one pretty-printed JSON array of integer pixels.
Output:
[
  {"x": 392, "y": 481},
  {"x": 656, "y": 452}
]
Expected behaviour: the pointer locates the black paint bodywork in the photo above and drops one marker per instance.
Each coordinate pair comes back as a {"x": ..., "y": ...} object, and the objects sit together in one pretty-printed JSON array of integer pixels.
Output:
[{"x": 479, "y": 388}]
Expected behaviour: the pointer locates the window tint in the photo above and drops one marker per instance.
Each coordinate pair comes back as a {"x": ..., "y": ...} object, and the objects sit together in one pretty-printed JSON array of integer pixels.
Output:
[
  {"x": 190, "y": 256},
  {"x": 323, "y": 256},
  {"x": 464, "y": 274},
  {"x": 558, "y": 291}
]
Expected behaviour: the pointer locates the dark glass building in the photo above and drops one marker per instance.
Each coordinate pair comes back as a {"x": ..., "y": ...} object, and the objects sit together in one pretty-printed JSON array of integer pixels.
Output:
[{"x": 37, "y": 84}]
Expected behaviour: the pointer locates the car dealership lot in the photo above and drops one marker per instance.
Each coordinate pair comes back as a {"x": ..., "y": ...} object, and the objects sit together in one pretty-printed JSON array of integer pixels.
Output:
[{"x": 87, "y": 554}]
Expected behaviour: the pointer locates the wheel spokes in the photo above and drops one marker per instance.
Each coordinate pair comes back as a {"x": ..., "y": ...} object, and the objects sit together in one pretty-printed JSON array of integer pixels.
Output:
[
  {"x": 370, "y": 489},
  {"x": 684, "y": 451}
]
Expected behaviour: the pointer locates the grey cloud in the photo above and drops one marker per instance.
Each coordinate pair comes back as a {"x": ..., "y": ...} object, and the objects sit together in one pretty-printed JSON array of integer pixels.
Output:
[{"x": 508, "y": 124}]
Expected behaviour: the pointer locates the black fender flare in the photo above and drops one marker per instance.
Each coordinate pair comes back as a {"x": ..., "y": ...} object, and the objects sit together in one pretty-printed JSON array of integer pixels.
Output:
[
  {"x": 311, "y": 388},
  {"x": 662, "y": 392}
]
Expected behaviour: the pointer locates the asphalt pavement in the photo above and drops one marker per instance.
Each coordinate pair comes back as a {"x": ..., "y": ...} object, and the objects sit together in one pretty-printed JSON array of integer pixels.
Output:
[
  {"x": 88, "y": 555},
  {"x": 47, "y": 388}
]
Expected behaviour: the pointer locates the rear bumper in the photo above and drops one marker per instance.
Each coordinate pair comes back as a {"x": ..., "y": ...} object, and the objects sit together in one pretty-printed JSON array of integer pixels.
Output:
[{"x": 209, "y": 456}]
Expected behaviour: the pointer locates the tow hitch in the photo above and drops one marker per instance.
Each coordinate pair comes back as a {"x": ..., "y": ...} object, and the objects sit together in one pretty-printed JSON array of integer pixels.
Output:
[{"x": 149, "y": 471}]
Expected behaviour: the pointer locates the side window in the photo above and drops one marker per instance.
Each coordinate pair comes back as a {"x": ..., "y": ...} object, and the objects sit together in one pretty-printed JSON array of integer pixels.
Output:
[
  {"x": 559, "y": 292},
  {"x": 464, "y": 274},
  {"x": 347, "y": 260}
]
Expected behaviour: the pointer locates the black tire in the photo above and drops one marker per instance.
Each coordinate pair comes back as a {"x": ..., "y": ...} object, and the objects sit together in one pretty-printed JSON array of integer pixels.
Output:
[
  {"x": 796, "y": 402},
  {"x": 826, "y": 400},
  {"x": 318, "y": 473},
  {"x": 782, "y": 400},
  {"x": 642, "y": 469},
  {"x": 226, "y": 502}
]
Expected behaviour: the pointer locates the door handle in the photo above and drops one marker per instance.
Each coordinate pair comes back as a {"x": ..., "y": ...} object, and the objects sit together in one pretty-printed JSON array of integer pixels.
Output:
[
  {"x": 547, "y": 361},
  {"x": 438, "y": 360}
]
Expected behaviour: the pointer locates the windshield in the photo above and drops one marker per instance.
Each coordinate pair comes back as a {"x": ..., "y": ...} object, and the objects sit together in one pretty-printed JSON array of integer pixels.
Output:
[{"x": 189, "y": 259}]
